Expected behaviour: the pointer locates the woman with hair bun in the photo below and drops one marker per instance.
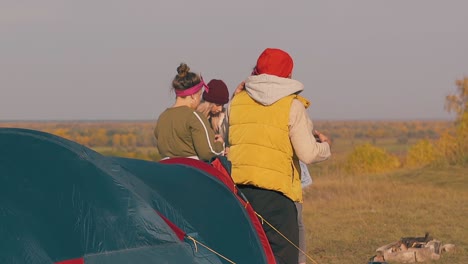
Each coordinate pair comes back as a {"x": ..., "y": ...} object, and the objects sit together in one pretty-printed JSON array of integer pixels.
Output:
[{"x": 181, "y": 131}]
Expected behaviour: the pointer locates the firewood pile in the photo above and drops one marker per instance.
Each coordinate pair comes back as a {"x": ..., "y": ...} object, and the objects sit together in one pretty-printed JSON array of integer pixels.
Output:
[{"x": 412, "y": 249}]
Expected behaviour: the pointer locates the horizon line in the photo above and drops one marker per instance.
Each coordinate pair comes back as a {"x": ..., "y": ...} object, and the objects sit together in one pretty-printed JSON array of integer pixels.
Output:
[{"x": 152, "y": 120}]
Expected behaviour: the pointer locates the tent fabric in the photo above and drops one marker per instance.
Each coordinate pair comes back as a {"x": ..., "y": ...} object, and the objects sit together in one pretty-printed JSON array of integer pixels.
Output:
[
  {"x": 61, "y": 202},
  {"x": 220, "y": 225},
  {"x": 222, "y": 174}
]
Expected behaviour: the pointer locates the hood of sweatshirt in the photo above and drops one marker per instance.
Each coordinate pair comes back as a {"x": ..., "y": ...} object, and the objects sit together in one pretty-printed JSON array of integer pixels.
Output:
[{"x": 267, "y": 89}]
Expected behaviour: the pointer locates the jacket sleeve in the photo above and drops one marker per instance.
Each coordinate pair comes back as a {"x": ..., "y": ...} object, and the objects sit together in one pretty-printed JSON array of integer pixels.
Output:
[
  {"x": 306, "y": 148},
  {"x": 203, "y": 138},
  {"x": 226, "y": 125},
  {"x": 223, "y": 127}
]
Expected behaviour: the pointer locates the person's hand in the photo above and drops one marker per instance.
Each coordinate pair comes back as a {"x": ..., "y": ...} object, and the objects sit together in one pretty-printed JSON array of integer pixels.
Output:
[
  {"x": 321, "y": 137},
  {"x": 219, "y": 138},
  {"x": 239, "y": 88},
  {"x": 226, "y": 151}
]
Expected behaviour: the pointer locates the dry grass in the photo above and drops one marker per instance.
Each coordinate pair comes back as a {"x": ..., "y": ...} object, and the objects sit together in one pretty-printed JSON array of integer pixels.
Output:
[{"x": 348, "y": 217}]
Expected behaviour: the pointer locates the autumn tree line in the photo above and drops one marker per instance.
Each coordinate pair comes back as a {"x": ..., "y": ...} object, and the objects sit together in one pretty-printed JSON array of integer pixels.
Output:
[
  {"x": 360, "y": 146},
  {"x": 132, "y": 139},
  {"x": 121, "y": 136},
  {"x": 449, "y": 148}
]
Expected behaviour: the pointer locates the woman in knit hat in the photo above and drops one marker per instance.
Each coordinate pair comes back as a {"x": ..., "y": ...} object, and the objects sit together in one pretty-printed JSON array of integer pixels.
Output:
[
  {"x": 181, "y": 131},
  {"x": 212, "y": 106}
]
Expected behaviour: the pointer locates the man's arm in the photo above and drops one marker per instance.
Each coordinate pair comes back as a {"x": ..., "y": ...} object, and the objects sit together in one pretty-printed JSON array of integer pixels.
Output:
[{"x": 306, "y": 148}]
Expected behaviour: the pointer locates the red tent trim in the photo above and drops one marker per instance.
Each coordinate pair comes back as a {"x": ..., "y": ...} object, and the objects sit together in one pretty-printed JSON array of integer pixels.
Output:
[
  {"x": 227, "y": 180},
  {"x": 72, "y": 261},
  {"x": 179, "y": 232}
]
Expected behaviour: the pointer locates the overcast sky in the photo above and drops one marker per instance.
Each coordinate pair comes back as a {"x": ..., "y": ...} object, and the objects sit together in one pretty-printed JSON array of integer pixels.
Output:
[{"x": 115, "y": 59}]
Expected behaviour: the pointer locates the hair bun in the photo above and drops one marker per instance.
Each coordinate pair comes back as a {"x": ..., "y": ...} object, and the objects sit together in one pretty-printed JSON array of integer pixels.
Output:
[{"x": 182, "y": 70}]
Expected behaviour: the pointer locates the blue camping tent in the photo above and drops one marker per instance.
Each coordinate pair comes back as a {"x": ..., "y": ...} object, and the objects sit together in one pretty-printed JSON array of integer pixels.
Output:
[{"x": 61, "y": 202}]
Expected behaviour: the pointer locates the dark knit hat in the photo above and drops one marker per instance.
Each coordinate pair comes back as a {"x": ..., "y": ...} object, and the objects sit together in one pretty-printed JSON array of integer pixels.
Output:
[
  {"x": 274, "y": 62},
  {"x": 218, "y": 92}
]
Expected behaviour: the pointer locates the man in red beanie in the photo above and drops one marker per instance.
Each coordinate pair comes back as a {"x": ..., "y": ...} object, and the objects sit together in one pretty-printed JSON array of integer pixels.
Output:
[
  {"x": 212, "y": 106},
  {"x": 269, "y": 133},
  {"x": 274, "y": 62}
]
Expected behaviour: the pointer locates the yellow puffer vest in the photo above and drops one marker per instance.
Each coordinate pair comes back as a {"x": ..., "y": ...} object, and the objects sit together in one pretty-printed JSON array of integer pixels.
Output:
[{"x": 260, "y": 149}]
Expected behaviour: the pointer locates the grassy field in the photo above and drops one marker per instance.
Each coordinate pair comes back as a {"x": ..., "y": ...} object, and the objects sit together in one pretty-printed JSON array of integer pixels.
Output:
[{"x": 348, "y": 217}]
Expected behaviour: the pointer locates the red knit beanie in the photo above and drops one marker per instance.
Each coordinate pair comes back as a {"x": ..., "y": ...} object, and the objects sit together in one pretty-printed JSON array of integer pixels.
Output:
[
  {"x": 274, "y": 62},
  {"x": 218, "y": 92}
]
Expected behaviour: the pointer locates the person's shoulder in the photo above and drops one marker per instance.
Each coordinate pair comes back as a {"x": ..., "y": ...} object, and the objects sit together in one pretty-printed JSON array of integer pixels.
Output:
[
  {"x": 297, "y": 110},
  {"x": 298, "y": 99},
  {"x": 164, "y": 113},
  {"x": 180, "y": 112},
  {"x": 198, "y": 115},
  {"x": 196, "y": 112},
  {"x": 298, "y": 105}
]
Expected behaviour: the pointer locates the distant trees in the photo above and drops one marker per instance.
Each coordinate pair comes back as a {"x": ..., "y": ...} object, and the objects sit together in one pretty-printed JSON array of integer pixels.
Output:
[
  {"x": 136, "y": 139},
  {"x": 451, "y": 148},
  {"x": 457, "y": 102},
  {"x": 421, "y": 154},
  {"x": 99, "y": 138},
  {"x": 436, "y": 145},
  {"x": 128, "y": 139}
]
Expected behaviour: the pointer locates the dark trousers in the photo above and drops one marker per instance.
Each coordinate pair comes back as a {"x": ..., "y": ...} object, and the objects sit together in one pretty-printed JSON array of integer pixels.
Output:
[{"x": 280, "y": 212}]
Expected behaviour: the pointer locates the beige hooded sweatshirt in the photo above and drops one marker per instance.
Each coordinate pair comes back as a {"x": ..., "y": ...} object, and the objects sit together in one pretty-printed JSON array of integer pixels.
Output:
[{"x": 267, "y": 89}]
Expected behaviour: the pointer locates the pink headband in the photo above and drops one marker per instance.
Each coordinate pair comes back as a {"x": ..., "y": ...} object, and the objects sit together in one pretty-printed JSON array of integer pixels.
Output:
[{"x": 193, "y": 89}]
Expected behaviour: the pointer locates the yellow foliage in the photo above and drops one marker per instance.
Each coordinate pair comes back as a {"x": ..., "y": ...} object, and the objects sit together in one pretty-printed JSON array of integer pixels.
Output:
[
  {"x": 457, "y": 153},
  {"x": 116, "y": 140},
  {"x": 83, "y": 140},
  {"x": 446, "y": 148},
  {"x": 421, "y": 154},
  {"x": 458, "y": 102},
  {"x": 370, "y": 159},
  {"x": 99, "y": 138},
  {"x": 462, "y": 139},
  {"x": 62, "y": 132},
  {"x": 453, "y": 149}
]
